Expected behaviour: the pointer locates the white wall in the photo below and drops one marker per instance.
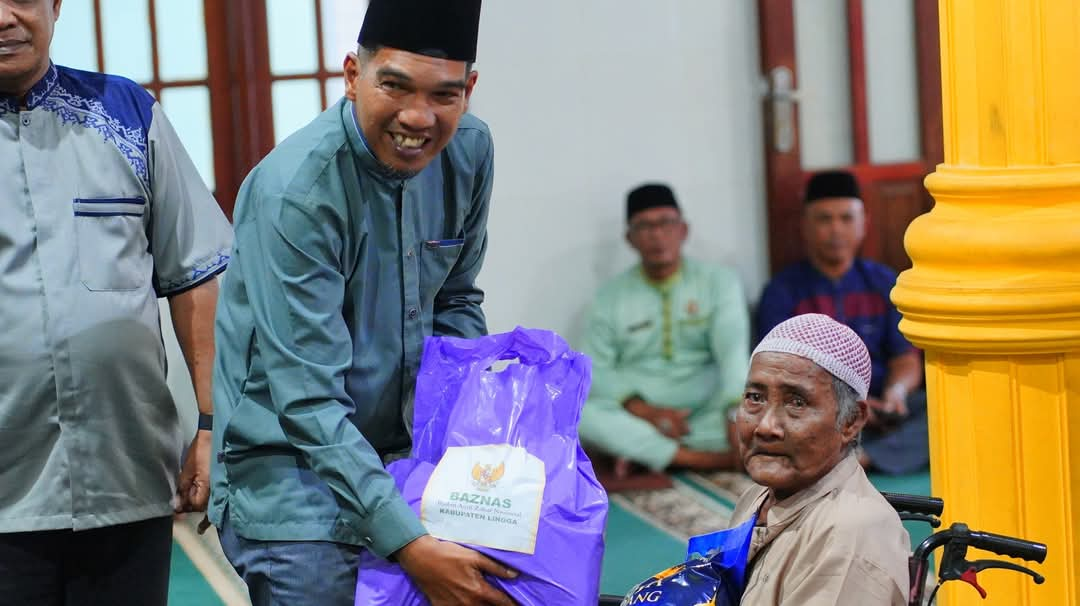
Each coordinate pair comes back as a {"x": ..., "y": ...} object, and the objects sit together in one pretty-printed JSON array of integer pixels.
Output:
[{"x": 588, "y": 98}]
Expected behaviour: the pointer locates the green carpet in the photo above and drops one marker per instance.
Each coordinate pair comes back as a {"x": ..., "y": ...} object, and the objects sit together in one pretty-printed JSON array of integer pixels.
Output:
[
  {"x": 646, "y": 532},
  {"x": 187, "y": 587},
  {"x": 201, "y": 576}
]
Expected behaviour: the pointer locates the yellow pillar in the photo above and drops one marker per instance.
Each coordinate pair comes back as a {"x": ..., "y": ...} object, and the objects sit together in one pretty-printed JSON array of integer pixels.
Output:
[{"x": 994, "y": 293}]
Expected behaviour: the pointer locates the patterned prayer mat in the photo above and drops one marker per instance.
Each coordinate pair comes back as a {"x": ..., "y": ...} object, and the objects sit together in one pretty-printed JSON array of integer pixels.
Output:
[{"x": 695, "y": 504}]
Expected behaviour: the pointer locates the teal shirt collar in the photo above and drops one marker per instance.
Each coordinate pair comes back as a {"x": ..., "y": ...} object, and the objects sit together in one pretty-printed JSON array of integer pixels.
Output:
[{"x": 367, "y": 160}]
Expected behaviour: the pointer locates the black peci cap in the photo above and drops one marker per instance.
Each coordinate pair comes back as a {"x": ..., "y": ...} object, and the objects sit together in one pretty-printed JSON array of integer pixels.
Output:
[
  {"x": 650, "y": 195},
  {"x": 832, "y": 184},
  {"x": 449, "y": 27}
]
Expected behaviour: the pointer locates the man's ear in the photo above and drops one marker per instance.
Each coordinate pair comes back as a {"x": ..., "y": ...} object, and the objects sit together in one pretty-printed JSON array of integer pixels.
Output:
[
  {"x": 849, "y": 431},
  {"x": 864, "y": 221},
  {"x": 470, "y": 84},
  {"x": 352, "y": 71}
]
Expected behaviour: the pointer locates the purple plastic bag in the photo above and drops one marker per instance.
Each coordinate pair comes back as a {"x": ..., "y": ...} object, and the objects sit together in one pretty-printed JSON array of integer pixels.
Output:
[{"x": 489, "y": 426}]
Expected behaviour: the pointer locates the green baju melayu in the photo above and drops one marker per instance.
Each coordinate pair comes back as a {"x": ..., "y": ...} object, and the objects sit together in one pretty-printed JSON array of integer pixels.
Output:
[{"x": 683, "y": 343}]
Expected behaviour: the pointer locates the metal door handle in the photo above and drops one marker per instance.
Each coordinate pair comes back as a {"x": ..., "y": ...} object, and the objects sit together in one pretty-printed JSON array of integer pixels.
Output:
[{"x": 782, "y": 97}]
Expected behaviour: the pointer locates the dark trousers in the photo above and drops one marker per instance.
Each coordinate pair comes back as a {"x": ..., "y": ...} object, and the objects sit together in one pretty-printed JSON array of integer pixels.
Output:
[
  {"x": 125, "y": 565},
  {"x": 904, "y": 448}
]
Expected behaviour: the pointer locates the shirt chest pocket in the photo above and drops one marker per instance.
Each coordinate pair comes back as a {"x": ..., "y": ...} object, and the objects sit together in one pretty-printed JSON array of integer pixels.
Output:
[
  {"x": 437, "y": 259},
  {"x": 694, "y": 331},
  {"x": 111, "y": 241}
]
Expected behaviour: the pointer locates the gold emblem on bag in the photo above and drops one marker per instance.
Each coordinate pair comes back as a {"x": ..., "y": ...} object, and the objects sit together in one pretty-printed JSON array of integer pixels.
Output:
[{"x": 485, "y": 476}]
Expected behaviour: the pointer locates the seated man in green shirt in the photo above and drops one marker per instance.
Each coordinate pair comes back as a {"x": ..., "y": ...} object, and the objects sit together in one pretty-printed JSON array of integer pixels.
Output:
[{"x": 669, "y": 340}]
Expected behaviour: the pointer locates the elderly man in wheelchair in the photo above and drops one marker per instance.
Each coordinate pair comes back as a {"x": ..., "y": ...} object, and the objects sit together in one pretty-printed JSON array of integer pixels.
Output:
[
  {"x": 813, "y": 531},
  {"x": 824, "y": 534}
]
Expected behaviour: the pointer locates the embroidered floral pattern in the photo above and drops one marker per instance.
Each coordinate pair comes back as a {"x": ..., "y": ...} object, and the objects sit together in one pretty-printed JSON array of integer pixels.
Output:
[
  {"x": 90, "y": 113},
  {"x": 207, "y": 266},
  {"x": 41, "y": 90}
]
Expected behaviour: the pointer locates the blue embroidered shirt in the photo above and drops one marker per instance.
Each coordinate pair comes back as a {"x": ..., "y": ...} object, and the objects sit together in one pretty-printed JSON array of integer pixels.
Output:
[{"x": 103, "y": 212}]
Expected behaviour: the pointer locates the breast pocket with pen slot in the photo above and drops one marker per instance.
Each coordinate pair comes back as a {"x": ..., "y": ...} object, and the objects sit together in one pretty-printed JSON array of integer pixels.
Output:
[
  {"x": 111, "y": 240},
  {"x": 437, "y": 259}
]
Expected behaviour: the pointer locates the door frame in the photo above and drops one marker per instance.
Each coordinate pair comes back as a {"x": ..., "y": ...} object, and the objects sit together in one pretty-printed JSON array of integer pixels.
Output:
[{"x": 785, "y": 177}]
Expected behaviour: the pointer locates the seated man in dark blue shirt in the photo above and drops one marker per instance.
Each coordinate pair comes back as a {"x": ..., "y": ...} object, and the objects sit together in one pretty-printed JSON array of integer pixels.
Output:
[{"x": 832, "y": 280}]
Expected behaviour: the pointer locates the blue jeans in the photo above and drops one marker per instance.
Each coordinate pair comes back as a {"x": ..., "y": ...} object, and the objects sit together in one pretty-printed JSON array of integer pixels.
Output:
[{"x": 293, "y": 573}]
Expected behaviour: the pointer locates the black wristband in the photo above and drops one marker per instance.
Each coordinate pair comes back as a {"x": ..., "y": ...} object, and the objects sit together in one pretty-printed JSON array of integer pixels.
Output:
[{"x": 206, "y": 422}]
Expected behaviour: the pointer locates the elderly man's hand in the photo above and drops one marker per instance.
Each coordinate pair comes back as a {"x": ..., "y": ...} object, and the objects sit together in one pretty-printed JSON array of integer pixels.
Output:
[{"x": 672, "y": 422}]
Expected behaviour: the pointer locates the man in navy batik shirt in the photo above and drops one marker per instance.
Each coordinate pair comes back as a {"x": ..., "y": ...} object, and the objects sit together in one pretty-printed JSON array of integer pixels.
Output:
[{"x": 832, "y": 280}]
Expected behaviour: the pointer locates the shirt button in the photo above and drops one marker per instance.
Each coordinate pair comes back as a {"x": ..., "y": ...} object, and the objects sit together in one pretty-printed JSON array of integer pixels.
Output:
[
  {"x": 26, "y": 121},
  {"x": 412, "y": 314},
  {"x": 367, "y": 540},
  {"x": 410, "y": 253}
]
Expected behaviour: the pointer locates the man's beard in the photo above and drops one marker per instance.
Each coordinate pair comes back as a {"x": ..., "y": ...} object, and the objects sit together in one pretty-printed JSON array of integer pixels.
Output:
[{"x": 395, "y": 173}]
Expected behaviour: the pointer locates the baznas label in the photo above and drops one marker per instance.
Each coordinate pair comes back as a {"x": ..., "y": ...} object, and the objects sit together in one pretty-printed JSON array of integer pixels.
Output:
[
  {"x": 479, "y": 499},
  {"x": 485, "y": 495}
]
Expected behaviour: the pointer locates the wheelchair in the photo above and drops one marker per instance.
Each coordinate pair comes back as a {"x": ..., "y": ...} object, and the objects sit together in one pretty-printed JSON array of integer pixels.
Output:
[{"x": 954, "y": 542}]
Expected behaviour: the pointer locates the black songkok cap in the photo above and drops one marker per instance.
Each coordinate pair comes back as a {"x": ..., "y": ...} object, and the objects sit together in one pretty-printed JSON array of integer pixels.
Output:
[
  {"x": 832, "y": 184},
  {"x": 649, "y": 196},
  {"x": 421, "y": 26}
]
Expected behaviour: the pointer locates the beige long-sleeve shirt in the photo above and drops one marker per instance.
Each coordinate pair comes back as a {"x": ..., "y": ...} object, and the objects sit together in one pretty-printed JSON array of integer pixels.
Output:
[{"x": 837, "y": 542}]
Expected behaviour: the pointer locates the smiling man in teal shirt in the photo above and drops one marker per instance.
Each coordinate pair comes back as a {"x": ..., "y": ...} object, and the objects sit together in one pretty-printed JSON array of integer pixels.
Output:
[{"x": 356, "y": 238}]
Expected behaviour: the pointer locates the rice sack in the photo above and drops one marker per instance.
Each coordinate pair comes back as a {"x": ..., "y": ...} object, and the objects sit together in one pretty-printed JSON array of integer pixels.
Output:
[{"x": 713, "y": 574}]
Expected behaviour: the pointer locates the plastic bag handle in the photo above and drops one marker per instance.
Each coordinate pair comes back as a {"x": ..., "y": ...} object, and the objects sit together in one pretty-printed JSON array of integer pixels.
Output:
[{"x": 530, "y": 346}]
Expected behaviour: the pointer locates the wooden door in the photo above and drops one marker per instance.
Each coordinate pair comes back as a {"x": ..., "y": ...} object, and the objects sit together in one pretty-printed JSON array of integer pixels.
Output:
[{"x": 869, "y": 100}]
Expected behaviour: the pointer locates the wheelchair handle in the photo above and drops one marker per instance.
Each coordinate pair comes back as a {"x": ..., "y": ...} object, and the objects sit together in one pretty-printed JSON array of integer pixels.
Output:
[
  {"x": 929, "y": 506},
  {"x": 1007, "y": 546}
]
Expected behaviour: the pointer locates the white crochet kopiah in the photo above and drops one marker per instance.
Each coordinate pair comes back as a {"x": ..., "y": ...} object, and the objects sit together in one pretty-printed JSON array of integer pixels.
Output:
[{"x": 827, "y": 343}]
